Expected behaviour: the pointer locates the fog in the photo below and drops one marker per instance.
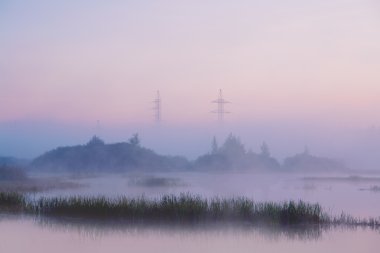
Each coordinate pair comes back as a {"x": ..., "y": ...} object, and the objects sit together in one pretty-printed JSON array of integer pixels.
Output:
[
  {"x": 356, "y": 146},
  {"x": 353, "y": 191},
  {"x": 85, "y": 166},
  {"x": 297, "y": 74}
]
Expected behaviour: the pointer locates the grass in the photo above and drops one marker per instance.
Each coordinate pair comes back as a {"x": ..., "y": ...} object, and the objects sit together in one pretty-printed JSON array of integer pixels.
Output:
[
  {"x": 12, "y": 201},
  {"x": 184, "y": 208}
]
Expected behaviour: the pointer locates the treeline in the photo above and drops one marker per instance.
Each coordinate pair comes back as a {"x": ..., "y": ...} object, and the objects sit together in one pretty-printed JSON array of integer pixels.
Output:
[
  {"x": 131, "y": 156},
  {"x": 232, "y": 155},
  {"x": 98, "y": 156}
]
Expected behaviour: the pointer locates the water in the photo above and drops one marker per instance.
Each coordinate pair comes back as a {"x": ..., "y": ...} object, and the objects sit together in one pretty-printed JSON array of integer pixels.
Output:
[
  {"x": 30, "y": 234},
  {"x": 335, "y": 196},
  {"x": 19, "y": 235}
]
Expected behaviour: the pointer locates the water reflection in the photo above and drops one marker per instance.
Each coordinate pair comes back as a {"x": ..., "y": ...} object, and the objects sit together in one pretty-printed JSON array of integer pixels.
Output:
[
  {"x": 27, "y": 234},
  {"x": 97, "y": 229}
]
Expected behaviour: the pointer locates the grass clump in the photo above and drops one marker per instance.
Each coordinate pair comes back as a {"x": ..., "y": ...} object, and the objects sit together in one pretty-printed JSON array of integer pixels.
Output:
[
  {"x": 182, "y": 208},
  {"x": 12, "y": 201}
]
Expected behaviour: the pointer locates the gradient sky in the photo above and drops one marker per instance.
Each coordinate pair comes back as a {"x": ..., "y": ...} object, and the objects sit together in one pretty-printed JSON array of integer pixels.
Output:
[{"x": 76, "y": 62}]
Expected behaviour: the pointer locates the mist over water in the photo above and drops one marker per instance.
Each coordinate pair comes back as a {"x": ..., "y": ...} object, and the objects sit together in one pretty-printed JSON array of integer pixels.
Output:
[
  {"x": 355, "y": 146},
  {"x": 78, "y": 80},
  {"x": 335, "y": 193}
]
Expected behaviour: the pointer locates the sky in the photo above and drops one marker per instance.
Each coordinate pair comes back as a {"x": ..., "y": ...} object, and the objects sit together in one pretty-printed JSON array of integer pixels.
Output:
[{"x": 295, "y": 72}]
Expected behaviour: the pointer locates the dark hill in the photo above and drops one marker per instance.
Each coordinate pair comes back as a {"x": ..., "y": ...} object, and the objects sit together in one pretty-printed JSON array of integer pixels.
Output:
[
  {"x": 232, "y": 155},
  {"x": 305, "y": 162},
  {"x": 131, "y": 156},
  {"x": 12, "y": 161},
  {"x": 98, "y": 156}
]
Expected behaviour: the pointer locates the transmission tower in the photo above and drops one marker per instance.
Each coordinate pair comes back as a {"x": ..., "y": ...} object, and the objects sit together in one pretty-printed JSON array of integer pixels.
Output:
[
  {"x": 157, "y": 108},
  {"x": 220, "y": 106}
]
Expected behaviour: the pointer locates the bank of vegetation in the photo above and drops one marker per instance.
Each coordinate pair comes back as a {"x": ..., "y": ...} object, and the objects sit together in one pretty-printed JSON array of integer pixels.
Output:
[
  {"x": 184, "y": 208},
  {"x": 232, "y": 155}
]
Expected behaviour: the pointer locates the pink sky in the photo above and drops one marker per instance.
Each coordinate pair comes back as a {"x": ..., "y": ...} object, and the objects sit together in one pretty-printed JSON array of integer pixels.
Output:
[
  {"x": 83, "y": 61},
  {"x": 297, "y": 72}
]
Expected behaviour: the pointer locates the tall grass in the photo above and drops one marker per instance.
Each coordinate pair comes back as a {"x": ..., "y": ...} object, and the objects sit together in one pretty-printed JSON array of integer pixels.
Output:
[
  {"x": 12, "y": 201},
  {"x": 185, "y": 208}
]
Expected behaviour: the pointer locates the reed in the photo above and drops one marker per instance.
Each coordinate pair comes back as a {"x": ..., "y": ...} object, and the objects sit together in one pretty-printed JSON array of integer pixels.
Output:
[
  {"x": 184, "y": 208},
  {"x": 12, "y": 201}
]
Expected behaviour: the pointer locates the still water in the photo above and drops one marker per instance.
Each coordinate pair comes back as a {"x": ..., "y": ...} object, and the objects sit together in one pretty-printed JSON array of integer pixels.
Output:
[
  {"x": 18, "y": 235},
  {"x": 353, "y": 197},
  {"x": 26, "y": 234}
]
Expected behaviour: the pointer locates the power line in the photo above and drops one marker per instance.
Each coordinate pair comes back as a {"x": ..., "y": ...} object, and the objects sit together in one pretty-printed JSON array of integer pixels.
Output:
[{"x": 220, "y": 106}]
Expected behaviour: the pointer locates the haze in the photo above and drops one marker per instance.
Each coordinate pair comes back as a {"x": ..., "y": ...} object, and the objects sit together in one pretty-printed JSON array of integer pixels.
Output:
[{"x": 297, "y": 73}]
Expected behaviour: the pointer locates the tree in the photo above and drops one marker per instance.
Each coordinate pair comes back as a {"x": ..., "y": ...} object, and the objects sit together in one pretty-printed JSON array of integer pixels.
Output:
[
  {"x": 233, "y": 147},
  {"x": 306, "y": 150},
  {"x": 214, "y": 146},
  {"x": 134, "y": 140},
  {"x": 265, "y": 150},
  {"x": 95, "y": 141}
]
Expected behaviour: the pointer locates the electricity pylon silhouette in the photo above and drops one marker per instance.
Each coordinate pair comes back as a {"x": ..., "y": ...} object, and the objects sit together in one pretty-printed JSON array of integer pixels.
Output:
[
  {"x": 220, "y": 106},
  {"x": 157, "y": 108}
]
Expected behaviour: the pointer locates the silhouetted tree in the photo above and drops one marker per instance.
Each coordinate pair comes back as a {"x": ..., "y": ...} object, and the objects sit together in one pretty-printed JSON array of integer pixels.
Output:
[
  {"x": 265, "y": 150},
  {"x": 306, "y": 150},
  {"x": 135, "y": 140},
  {"x": 214, "y": 146},
  {"x": 95, "y": 140},
  {"x": 233, "y": 147}
]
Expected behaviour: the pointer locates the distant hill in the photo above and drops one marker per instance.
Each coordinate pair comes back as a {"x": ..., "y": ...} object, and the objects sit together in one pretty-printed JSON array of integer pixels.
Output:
[
  {"x": 12, "y": 161},
  {"x": 98, "y": 156},
  {"x": 131, "y": 156},
  {"x": 305, "y": 162},
  {"x": 232, "y": 155}
]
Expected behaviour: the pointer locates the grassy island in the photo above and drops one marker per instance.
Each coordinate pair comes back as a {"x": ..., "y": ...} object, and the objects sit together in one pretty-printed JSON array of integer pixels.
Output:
[{"x": 185, "y": 208}]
